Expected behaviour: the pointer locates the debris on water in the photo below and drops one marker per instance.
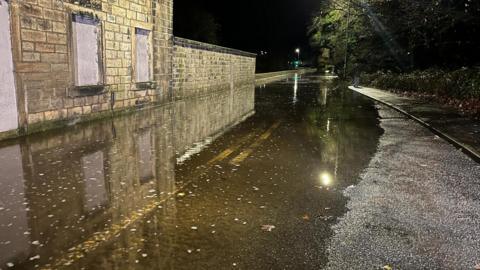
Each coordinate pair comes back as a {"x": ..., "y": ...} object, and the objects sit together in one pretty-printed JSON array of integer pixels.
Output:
[
  {"x": 181, "y": 194},
  {"x": 387, "y": 267},
  {"x": 268, "y": 228},
  {"x": 256, "y": 188},
  {"x": 194, "y": 228},
  {"x": 306, "y": 217},
  {"x": 144, "y": 255},
  {"x": 10, "y": 264},
  {"x": 35, "y": 243},
  {"x": 37, "y": 257},
  {"x": 189, "y": 251}
]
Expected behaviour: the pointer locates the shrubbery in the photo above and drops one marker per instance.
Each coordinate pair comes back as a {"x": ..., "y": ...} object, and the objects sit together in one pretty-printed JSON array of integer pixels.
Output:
[{"x": 458, "y": 84}]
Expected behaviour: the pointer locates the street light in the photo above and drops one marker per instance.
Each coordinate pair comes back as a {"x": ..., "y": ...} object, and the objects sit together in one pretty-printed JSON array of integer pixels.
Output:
[{"x": 298, "y": 53}]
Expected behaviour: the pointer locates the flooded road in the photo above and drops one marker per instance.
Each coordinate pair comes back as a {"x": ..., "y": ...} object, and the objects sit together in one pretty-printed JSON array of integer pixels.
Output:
[{"x": 119, "y": 194}]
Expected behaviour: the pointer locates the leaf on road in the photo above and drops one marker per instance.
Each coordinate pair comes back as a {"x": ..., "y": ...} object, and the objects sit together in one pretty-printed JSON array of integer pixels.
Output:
[{"x": 268, "y": 228}]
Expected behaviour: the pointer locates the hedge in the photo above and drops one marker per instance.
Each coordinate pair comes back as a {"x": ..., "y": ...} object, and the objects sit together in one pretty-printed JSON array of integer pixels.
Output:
[{"x": 458, "y": 84}]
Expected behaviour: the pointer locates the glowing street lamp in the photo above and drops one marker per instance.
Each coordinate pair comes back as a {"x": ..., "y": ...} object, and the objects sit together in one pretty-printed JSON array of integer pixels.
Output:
[{"x": 298, "y": 53}]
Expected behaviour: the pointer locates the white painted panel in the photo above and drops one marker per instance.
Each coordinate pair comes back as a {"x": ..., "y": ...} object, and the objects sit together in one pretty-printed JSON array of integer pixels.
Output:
[
  {"x": 95, "y": 188},
  {"x": 143, "y": 59},
  {"x": 8, "y": 99},
  {"x": 14, "y": 236},
  {"x": 86, "y": 51}
]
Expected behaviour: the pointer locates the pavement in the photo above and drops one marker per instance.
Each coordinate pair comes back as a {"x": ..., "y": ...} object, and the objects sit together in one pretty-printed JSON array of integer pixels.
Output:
[
  {"x": 445, "y": 121},
  {"x": 416, "y": 206}
]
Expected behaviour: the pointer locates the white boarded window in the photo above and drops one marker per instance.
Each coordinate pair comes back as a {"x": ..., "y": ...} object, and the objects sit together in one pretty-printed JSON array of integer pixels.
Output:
[
  {"x": 142, "y": 65},
  {"x": 86, "y": 46},
  {"x": 8, "y": 99}
]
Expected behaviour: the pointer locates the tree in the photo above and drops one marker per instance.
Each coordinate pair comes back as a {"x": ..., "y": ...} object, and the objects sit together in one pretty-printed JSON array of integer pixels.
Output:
[
  {"x": 399, "y": 35},
  {"x": 197, "y": 24}
]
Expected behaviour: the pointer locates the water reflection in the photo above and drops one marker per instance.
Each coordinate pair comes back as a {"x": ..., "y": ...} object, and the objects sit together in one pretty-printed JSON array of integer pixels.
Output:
[
  {"x": 61, "y": 188},
  {"x": 103, "y": 195},
  {"x": 326, "y": 179},
  {"x": 14, "y": 227},
  {"x": 295, "y": 88}
]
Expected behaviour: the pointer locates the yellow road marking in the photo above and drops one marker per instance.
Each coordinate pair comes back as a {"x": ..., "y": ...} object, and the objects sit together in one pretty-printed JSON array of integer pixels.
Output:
[
  {"x": 246, "y": 153},
  {"x": 227, "y": 152}
]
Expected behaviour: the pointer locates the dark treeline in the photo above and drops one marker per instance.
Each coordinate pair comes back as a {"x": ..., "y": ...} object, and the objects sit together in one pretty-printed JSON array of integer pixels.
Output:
[
  {"x": 195, "y": 22},
  {"x": 398, "y": 35}
]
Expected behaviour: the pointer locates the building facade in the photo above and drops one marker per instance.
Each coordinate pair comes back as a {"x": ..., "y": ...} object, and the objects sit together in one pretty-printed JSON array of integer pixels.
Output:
[{"x": 74, "y": 60}]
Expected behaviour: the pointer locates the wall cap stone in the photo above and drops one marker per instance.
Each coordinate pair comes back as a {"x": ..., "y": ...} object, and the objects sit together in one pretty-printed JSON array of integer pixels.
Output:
[{"x": 187, "y": 43}]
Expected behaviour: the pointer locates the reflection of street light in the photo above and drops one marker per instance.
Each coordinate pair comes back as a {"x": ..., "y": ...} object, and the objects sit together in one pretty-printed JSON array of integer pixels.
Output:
[
  {"x": 295, "y": 88},
  {"x": 326, "y": 179}
]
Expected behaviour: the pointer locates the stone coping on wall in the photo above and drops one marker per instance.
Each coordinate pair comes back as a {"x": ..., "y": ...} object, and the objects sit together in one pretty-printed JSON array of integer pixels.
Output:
[{"x": 187, "y": 43}]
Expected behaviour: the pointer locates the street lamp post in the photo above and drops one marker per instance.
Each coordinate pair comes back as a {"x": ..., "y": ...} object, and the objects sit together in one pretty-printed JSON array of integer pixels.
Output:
[{"x": 297, "y": 63}]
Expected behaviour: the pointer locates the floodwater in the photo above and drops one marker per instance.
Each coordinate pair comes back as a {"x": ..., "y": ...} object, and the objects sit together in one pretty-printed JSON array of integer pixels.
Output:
[{"x": 116, "y": 194}]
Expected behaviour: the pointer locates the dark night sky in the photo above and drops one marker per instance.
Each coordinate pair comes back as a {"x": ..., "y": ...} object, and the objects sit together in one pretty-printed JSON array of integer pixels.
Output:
[{"x": 276, "y": 26}]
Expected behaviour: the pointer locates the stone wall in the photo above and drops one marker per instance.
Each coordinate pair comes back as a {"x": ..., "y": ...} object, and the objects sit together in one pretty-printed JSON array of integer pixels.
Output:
[
  {"x": 42, "y": 41},
  {"x": 214, "y": 88},
  {"x": 199, "y": 68}
]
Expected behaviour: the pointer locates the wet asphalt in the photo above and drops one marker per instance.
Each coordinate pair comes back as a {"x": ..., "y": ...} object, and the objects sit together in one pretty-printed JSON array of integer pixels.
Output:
[{"x": 319, "y": 177}]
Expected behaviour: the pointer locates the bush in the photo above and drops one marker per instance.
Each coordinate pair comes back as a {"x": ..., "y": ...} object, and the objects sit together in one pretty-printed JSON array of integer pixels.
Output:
[{"x": 458, "y": 84}]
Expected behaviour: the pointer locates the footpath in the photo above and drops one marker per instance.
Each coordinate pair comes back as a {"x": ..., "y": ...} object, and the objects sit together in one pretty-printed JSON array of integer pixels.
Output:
[{"x": 446, "y": 122}]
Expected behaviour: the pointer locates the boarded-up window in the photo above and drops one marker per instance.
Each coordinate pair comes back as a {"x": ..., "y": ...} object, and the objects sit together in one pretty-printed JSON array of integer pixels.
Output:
[
  {"x": 8, "y": 99},
  {"x": 86, "y": 46},
  {"x": 142, "y": 64}
]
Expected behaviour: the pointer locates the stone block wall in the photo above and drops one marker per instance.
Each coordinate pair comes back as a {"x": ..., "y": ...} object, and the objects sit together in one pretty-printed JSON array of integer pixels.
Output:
[
  {"x": 42, "y": 42},
  {"x": 214, "y": 88},
  {"x": 200, "y": 68}
]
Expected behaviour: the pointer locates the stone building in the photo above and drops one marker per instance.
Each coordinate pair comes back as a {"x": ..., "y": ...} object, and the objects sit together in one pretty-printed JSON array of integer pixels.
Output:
[{"x": 76, "y": 60}]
